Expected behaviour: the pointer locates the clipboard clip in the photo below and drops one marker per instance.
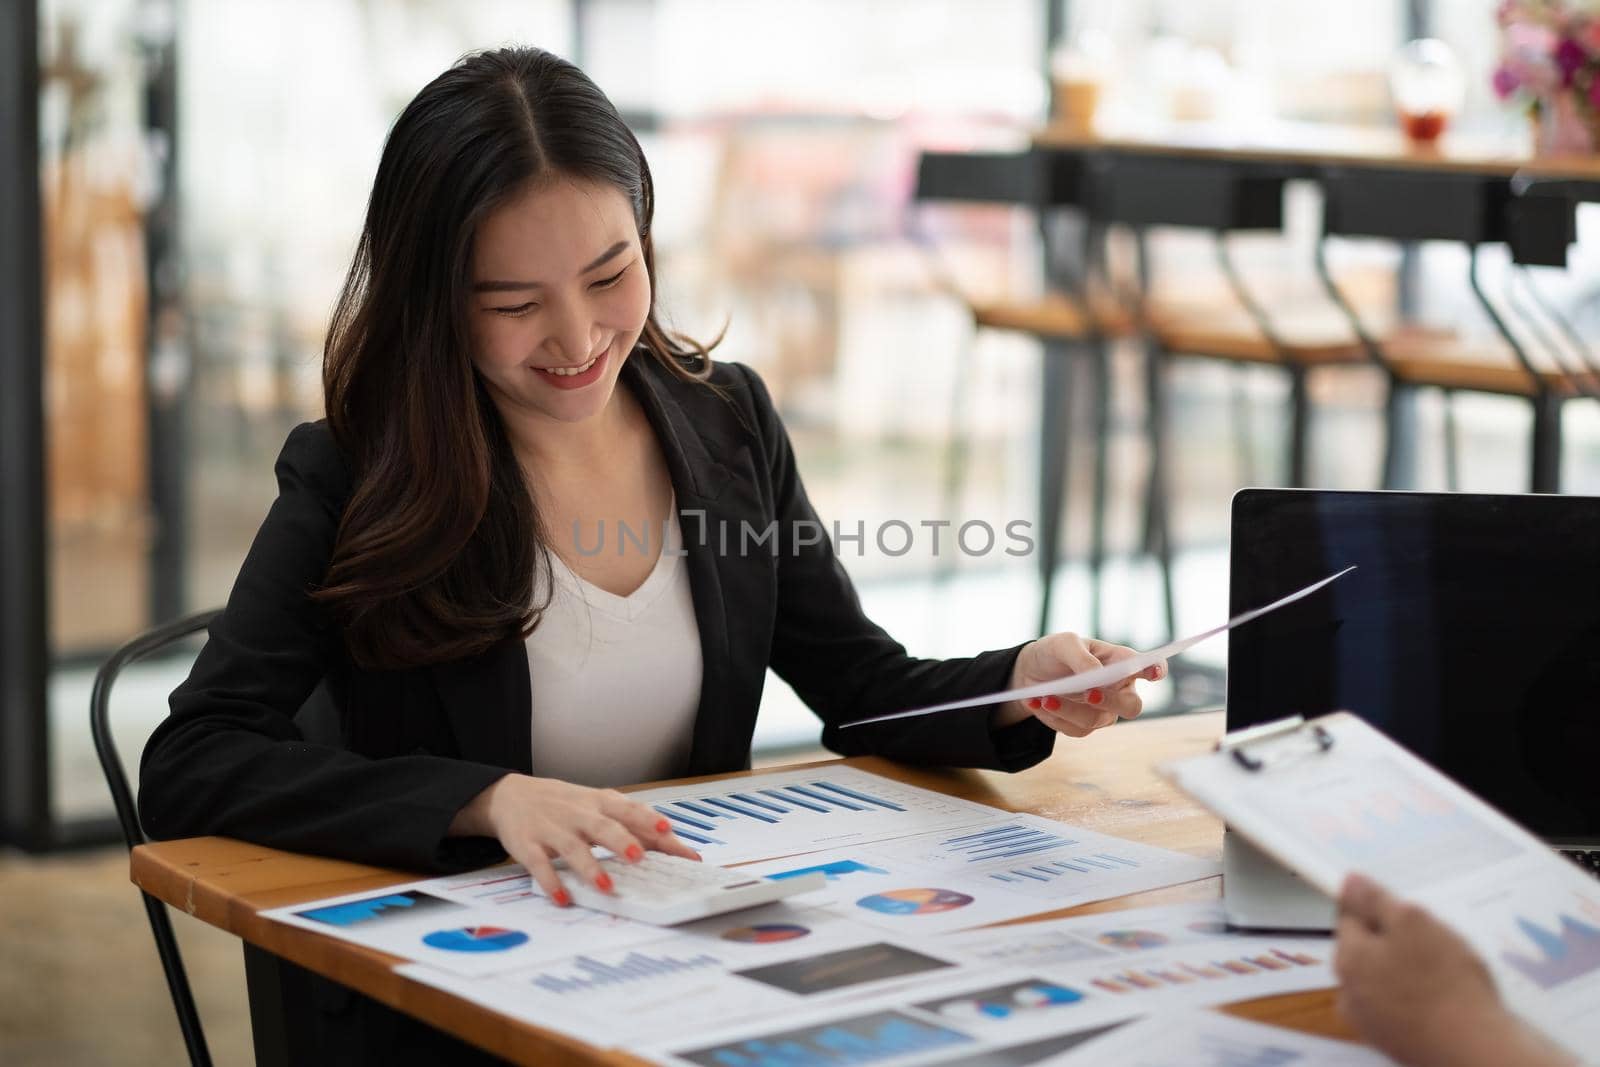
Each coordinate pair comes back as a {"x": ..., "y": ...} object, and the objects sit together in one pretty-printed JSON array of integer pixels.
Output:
[{"x": 1242, "y": 746}]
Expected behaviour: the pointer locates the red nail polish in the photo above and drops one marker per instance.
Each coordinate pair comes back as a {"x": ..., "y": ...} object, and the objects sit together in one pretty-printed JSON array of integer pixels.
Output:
[
  {"x": 562, "y": 898},
  {"x": 1052, "y": 703},
  {"x": 1033, "y": 702},
  {"x": 635, "y": 853},
  {"x": 663, "y": 826},
  {"x": 603, "y": 881},
  {"x": 1095, "y": 696}
]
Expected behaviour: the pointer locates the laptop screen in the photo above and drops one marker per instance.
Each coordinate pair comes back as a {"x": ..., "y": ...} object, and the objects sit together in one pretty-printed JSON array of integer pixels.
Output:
[{"x": 1470, "y": 633}]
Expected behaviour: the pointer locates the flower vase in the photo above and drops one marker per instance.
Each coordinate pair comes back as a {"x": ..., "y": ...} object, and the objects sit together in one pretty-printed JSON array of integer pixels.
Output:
[{"x": 1564, "y": 128}]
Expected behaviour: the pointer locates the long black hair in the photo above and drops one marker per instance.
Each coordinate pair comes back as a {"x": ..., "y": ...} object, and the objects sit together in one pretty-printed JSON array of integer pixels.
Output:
[{"x": 436, "y": 551}]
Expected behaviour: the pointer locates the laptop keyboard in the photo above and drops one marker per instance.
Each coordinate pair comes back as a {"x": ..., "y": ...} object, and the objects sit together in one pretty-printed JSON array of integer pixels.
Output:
[{"x": 1588, "y": 859}]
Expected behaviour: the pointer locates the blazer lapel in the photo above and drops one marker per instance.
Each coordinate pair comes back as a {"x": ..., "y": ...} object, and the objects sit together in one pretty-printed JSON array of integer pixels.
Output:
[{"x": 488, "y": 702}]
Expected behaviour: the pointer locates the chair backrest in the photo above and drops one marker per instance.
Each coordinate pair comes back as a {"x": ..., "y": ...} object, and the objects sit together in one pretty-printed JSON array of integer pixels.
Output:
[
  {"x": 1403, "y": 205},
  {"x": 1024, "y": 179},
  {"x": 1541, "y": 222},
  {"x": 128, "y": 814},
  {"x": 105, "y": 747},
  {"x": 1136, "y": 190}
]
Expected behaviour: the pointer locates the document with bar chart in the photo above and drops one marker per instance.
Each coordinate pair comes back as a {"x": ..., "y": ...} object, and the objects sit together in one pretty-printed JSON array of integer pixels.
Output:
[
  {"x": 1109, "y": 936},
  {"x": 1129, "y": 964},
  {"x": 756, "y": 965},
  {"x": 1003, "y": 868},
  {"x": 1207, "y": 1039},
  {"x": 472, "y": 924},
  {"x": 783, "y": 813}
]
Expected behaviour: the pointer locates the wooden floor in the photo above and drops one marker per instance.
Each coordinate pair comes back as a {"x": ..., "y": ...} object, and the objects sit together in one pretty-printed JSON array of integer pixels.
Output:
[{"x": 80, "y": 983}]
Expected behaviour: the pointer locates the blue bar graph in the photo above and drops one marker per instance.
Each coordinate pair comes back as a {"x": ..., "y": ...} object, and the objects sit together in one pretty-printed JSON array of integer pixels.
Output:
[
  {"x": 863, "y": 1039},
  {"x": 749, "y": 813},
  {"x": 591, "y": 974},
  {"x": 845, "y": 804},
  {"x": 1003, "y": 842},
  {"x": 759, "y": 803},
  {"x": 853, "y": 794},
  {"x": 1053, "y": 869},
  {"x": 808, "y": 805},
  {"x": 698, "y": 810},
  {"x": 690, "y": 835},
  {"x": 684, "y": 819},
  {"x": 708, "y": 812}
]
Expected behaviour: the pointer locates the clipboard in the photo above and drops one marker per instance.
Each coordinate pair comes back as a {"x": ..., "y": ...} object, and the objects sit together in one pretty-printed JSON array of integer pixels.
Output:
[{"x": 1333, "y": 795}]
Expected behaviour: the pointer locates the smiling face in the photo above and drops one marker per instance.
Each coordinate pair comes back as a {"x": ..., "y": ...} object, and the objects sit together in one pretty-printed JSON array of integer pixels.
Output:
[{"x": 559, "y": 296}]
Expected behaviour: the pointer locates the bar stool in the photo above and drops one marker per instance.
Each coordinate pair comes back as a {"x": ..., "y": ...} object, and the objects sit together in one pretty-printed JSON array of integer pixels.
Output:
[
  {"x": 1069, "y": 320},
  {"x": 1474, "y": 211},
  {"x": 1144, "y": 193}
]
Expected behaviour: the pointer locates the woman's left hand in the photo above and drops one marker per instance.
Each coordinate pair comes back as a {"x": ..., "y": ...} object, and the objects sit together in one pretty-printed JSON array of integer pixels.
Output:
[{"x": 1076, "y": 714}]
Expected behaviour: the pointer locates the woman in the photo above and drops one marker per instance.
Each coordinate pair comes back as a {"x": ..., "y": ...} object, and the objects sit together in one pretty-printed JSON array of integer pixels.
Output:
[{"x": 500, "y": 394}]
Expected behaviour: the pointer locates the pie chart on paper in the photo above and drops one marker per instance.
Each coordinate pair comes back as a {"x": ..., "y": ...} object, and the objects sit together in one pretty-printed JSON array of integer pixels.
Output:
[
  {"x": 914, "y": 901},
  {"x": 475, "y": 939},
  {"x": 765, "y": 933},
  {"x": 1130, "y": 940}
]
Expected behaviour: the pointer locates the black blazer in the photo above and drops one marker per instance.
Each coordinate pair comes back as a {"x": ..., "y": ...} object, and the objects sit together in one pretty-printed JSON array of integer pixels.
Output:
[{"x": 416, "y": 745}]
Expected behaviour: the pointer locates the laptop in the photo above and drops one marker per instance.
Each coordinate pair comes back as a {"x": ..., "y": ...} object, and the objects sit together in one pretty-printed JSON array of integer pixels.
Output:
[{"x": 1470, "y": 633}]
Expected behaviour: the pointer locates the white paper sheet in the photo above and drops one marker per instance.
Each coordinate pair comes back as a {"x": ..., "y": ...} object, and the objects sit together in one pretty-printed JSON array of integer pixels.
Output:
[
  {"x": 1149, "y": 958},
  {"x": 758, "y": 964},
  {"x": 891, "y": 1033},
  {"x": 1003, "y": 868},
  {"x": 470, "y": 924},
  {"x": 1210, "y": 1039},
  {"x": 787, "y": 812},
  {"x": 1140, "y": 962},
  {"x": 1113, "y": 672}
]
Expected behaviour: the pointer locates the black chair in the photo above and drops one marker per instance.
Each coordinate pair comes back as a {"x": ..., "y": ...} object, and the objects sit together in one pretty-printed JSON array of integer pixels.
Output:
[
  {"x": 1070, "y": 320},
  {"x": 1231, "y": 325},
  {"x": 128, "y": 814},
  {"x": 1474, "y": 211}
]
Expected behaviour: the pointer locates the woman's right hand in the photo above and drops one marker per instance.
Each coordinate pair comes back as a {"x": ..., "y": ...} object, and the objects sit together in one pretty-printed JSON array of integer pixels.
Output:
[{"x": 539, "y": 819}]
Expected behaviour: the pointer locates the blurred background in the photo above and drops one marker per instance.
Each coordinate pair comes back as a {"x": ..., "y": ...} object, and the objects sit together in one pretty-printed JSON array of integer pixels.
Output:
[{"x": 202, "y": 168}]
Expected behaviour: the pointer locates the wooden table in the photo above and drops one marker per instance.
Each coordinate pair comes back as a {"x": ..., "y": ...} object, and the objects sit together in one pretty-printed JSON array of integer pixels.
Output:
[
  {"x": 1306, "y": 146},
  {"x": 1103, "y": 782}
]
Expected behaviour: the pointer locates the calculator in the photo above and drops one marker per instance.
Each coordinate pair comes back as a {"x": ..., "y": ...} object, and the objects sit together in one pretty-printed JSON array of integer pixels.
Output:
[{"x": 667, "y": 890}]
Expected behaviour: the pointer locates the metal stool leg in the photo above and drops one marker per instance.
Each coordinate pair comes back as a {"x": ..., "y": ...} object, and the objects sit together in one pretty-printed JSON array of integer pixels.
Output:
[
  {"x": 955, "y": 459},
  {"x": 1452, "y": 443},
  {"x": 1158, "y": 500},
  {"x": 1100, "y": 422},
  {"x": 1546, "y": 474},
  {"x": 1400, "y": 437},
  {"x": 194, "y": 1038},
  {"x": 1055, "y": 409},
  {"x": 1299, "y": 427}
]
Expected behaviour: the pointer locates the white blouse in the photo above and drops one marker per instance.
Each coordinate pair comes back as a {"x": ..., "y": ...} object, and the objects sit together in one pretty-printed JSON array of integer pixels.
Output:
[{"x": 616, "y": 680}]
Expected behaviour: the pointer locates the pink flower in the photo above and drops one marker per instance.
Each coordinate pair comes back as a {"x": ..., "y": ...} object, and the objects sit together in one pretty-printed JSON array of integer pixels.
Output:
[
  {"x": 1529, "y": 39},
  {"x": 1569, "y": 57},
  {"x": 1594, "y": 93},
  {"x": 1505, "y": 81}
]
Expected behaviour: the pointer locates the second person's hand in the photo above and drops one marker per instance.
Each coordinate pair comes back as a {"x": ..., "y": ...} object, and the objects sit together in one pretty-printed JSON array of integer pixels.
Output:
[{"x": 537, "y": 820}]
